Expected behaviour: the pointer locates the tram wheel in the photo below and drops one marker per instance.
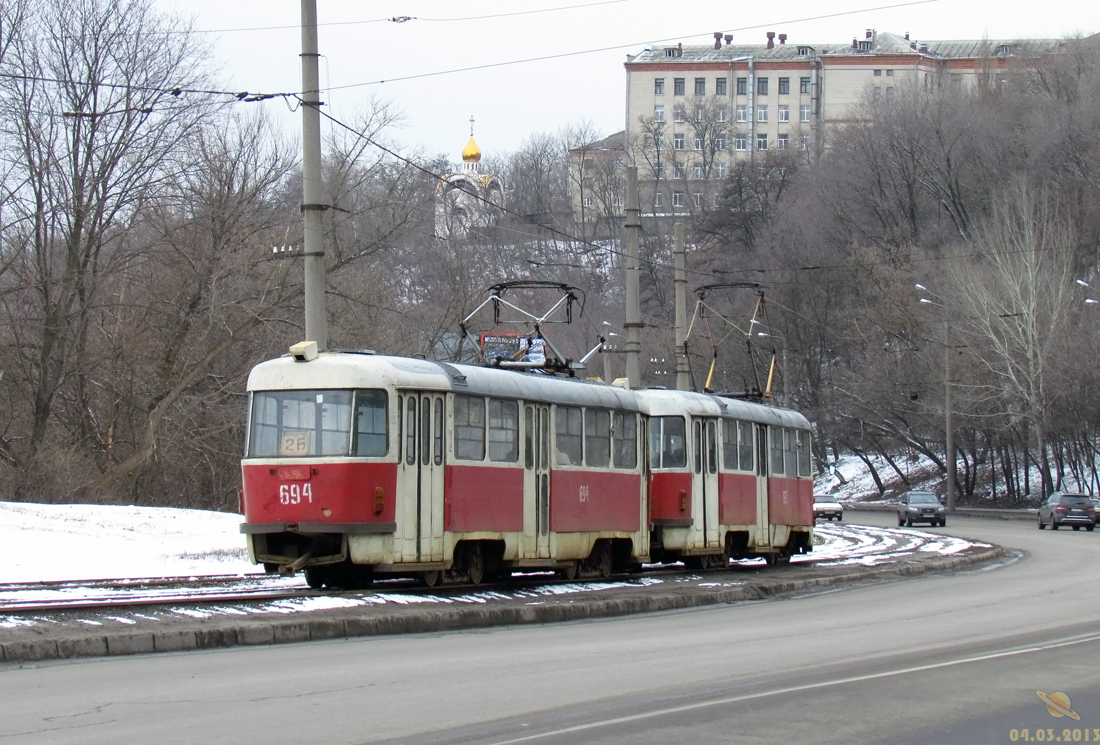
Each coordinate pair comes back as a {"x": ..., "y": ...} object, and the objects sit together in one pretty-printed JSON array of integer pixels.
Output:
[
  {"x": 316, "y": 577},
  {"x": 569, "y": 571},
  {"x": 430, "y": 578}
]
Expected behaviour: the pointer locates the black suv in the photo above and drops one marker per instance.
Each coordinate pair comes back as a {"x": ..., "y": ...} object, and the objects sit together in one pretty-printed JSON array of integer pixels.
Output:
[
  {"x": 921, "y": 507},
  {"x": 1067, "y": 509}
]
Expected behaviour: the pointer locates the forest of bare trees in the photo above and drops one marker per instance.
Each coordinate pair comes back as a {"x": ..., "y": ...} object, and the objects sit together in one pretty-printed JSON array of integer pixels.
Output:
[{"x": 138, "y": 280}]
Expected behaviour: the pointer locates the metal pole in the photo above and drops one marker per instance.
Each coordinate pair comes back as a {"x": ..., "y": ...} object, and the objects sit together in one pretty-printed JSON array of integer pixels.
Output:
[
  {"x": 313, "y": 238},
  {"x": 633, "y": 325},
  {"x": 683, "y": 382},
  {"x": 948, "y": 426}
]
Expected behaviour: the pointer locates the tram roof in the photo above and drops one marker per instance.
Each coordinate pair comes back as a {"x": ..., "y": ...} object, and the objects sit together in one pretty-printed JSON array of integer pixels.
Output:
[
  {"x": 342, "y": 370},
  {"x": 656, "y": 402}
]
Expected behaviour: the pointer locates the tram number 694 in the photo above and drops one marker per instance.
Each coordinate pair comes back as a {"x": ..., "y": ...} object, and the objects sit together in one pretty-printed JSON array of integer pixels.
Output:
[
  {"x": 295, "y": 493},
  {"x": 583, "y": 495}
]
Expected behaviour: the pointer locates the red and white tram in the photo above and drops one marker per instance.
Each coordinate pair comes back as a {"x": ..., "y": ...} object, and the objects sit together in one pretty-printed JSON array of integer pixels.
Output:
[{"x": 359, "y": 465}]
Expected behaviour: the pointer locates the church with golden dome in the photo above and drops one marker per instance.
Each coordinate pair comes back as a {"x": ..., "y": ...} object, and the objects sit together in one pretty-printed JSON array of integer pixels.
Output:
[{"x": 467, "y": 198}]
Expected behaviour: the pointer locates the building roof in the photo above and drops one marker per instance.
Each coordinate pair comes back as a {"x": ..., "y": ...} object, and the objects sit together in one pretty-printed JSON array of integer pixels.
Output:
[{"x": 881, "y": 42}]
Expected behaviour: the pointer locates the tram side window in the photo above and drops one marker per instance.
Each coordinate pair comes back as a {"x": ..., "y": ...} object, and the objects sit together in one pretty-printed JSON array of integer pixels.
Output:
[
  {"x": 568, "y": 435},
  {"x": 470, "y": 427},
  {"x": 371, "y": 416},
  {"x": 804, "y": 453},
  {"x": 775, "y": 444},
  {"x": 790, "y": 453},
  {"x": 503, "y": 431},
  {"x": 528, "y": 437},
  {"x": 744, "y": 445},
  {"x": 410, "y": 430},
  {"x": 729, "y": 445},
  {"x": 624, "y": 440},
  {"x": 597, "y": 438},
  {"x": 667, "y": 441}
]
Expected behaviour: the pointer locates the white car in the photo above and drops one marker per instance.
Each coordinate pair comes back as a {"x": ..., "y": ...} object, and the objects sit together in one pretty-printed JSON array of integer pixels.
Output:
[{"x": 827, "y": 507}]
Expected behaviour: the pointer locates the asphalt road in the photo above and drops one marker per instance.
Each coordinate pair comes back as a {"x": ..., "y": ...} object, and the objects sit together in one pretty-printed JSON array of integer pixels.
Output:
[{"x": 933, "y": 659}]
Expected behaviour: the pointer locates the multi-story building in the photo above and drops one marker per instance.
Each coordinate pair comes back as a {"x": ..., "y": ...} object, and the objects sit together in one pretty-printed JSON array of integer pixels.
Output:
[{"x": 696, "y": 113}]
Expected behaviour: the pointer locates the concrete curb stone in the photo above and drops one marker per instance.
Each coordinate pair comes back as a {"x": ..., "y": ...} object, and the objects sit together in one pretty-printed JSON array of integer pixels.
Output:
[{"x": 370, "y": 621}]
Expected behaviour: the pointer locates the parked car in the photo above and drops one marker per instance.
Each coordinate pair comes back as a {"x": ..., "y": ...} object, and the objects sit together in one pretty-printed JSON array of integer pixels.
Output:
[
  {"x": 827, "y": 507},
  {"x": 1061, "y": 509},
  {"x": 921, "y": 507}
]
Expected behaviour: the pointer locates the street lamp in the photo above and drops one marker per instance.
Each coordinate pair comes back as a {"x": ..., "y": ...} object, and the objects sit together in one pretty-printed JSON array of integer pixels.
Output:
[
  {"x": 949, "y": 430},
  {"x": 783, "y": 367},
  {"x": 605, "y": 352}
]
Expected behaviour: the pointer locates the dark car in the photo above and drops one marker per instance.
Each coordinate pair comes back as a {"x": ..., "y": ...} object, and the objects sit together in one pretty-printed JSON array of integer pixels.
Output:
[
  {"x": 1061, "y": 509},
  {"x": 921, "y": 507},
  {"x": 827, "y": 507}
]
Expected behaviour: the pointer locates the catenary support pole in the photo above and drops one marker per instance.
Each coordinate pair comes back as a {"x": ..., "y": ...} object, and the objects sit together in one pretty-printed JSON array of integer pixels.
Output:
[
  {"x": 313, "y": 236},
  {"x": 633, "y": 325},
  {"x": 683, "y": 381},
  {"x": 949, "y": 428}
]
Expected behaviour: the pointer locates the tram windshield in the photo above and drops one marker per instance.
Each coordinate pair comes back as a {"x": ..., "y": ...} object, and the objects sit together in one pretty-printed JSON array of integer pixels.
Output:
[{"x": 308, "y": 424}]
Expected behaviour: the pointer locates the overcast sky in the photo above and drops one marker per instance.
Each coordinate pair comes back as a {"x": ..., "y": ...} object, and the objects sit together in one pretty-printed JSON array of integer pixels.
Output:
[{"x": 515, "y": 94}]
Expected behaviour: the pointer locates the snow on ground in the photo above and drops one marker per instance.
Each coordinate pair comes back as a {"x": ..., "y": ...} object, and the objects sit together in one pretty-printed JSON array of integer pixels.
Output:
[{"x": 44, "y": 542}]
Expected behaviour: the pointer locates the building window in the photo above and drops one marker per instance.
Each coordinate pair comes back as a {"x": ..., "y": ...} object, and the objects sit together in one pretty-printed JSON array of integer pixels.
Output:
[
  {"x": 678, "y": 141},
  {"x": 618, "y": 201},
  {"x": 877, "y": 94},
  {"x": 700, "y": 86},
  {"x": 866, "y": 46},
  {"x": 720, "y": 86},
  {"x": 697, "y": 197},
  {"x": 697, "y": 172},
  {"x": 878, "y": 73},
  {"x": 784, "y": 86},
  {"x": 658, "y": 141},
  {"x": 722, "y": 114},
  {"x": 658, "y": 171},
  {"x": 658, "y": 113},
  {"x": 781, "y": 142},
  {"x": 677, "y": 86},
  {"x": 1005, "y": 49},
  {"x": 720, "y": 142},
  {"x": 762, "y": 86},
  {"x": 803, "y": 142},
  {"x": 742, "y": 113},
  {"x": 658, "y": 199},
  {"x": 698, "y": 142},
  {"x": 784, "y": 113},
  {"x": 803, "y": 52},
  {"x": 677, "y": 199},
  {"x": 719, "y": 171},
  {"x": 677, "y": 171},
  {"x": 889, "y": 73},
  {"x": 804, "y": 112},
  {"x": 742, "y": 86},
  {"x": 586, "y": 201},
  {"x": 890, "y": 93},
  {"x": 700, "y": 114},
  {"x": 678, "y": 114},
  {"x": 761, "y": 141},
  {"x": 740, "y": 142},
  {"x": 803, "y": 85},
  {"x": 762, "y": 113},
  {"x": 659, "y": 87}
]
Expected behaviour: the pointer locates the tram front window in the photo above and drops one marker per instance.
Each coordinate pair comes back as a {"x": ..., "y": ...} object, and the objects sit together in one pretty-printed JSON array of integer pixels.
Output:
[{"x": 308, "y": 424}]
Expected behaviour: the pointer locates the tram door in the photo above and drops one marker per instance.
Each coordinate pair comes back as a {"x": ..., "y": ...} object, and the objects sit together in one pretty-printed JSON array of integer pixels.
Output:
[
  {"x": 705, "y": 483},
  {"x": 536, "y": 487},
  {"x": 763, "y": 531},
  {"x": 420, "y": 481}
]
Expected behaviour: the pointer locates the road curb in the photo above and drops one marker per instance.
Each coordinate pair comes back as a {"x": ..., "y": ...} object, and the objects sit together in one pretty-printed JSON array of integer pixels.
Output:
[{"x": 343, "y": 624}]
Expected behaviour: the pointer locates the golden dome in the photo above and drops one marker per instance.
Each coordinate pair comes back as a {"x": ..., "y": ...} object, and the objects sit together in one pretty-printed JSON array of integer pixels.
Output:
[{"x": 471, "y": 153}]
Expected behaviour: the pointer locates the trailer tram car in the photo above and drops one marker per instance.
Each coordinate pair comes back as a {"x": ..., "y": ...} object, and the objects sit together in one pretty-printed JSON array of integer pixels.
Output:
[{"x": 359, "y": 466}]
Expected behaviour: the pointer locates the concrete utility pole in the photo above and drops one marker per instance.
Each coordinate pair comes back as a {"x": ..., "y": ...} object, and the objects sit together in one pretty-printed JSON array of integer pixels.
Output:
[
  {"x": 683, "y": 381},
  {"x": 633, "y": 325},
  {"x": 948, "y": 425},
  {"x": 313, "y": 248}
]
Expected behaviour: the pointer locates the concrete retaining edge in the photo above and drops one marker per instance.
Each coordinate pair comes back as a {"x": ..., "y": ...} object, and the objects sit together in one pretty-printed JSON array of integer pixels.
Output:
[{"x": 318, "y": 625}]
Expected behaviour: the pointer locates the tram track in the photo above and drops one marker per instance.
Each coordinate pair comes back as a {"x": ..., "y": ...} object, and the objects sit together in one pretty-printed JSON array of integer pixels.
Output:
[{"x": 837, "y": 545}]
